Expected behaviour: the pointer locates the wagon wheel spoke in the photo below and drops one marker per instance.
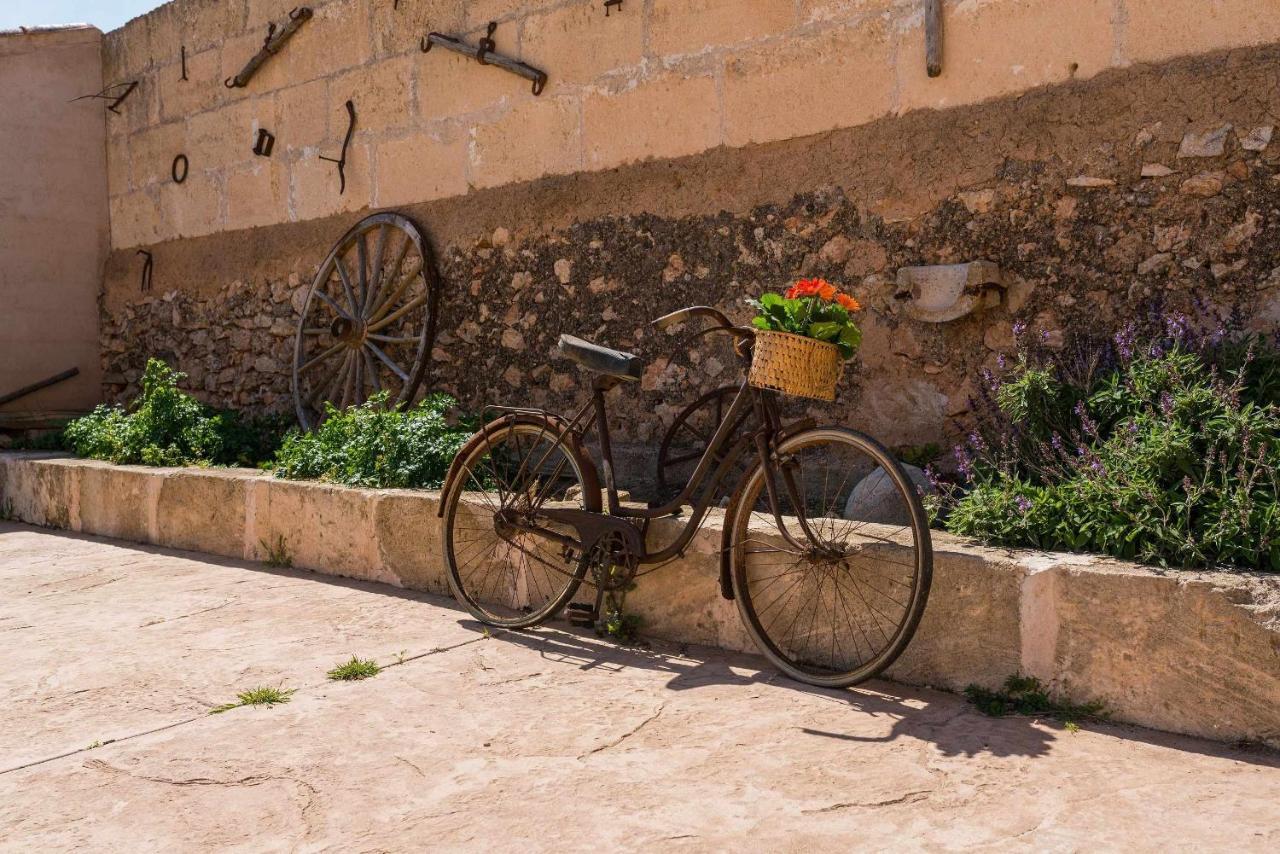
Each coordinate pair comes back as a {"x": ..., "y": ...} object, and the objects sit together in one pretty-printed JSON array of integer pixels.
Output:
[
  {"x": 398, "y": 313},
  {"x": 327, "y": 390},
  {"x": 388, "y": 361},
  {"x": 375, "y": 270},
  {"x": 333, "y": 305},
  {"x": 362, "y": 264},
  {"x": 389, "y": 339},
  {"x": 327, "y": 354},
  {"x": 346, "y": 286},
  {"x": 373, "y": 371},
  {"x": 402, "y": 284}
]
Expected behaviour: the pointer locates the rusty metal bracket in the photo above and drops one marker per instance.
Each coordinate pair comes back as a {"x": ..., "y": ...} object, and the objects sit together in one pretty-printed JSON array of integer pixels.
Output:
[
  {"x": 615, "y": 3},
  {"x": 37, "y": 385},
  {"x": 173, "y": 170},
  {"x": 266, "y": 142},
  {"x": 109, "y": 94},
  {"x": 486, "y": 53},
  {"x": 341, "y": 159},
  {"x": 184, "y": 63},
  {"x": 271, "y": 45},
  {"x": 933, "y": 37},
  {"x": 145, "y": 285}
]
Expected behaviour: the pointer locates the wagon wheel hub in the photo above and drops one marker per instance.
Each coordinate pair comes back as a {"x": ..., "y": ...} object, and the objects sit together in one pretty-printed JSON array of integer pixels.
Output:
[{"x": 350, "y": 332}]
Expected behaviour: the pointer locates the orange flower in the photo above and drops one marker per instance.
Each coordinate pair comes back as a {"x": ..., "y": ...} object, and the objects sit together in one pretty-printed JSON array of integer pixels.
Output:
[
  {"x": 811, "y": 288},
  {"x": 848, "y": 303}
]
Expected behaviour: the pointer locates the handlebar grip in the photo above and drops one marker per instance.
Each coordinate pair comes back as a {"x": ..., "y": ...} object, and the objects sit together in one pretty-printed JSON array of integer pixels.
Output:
[{"x": 675, "y": 318}]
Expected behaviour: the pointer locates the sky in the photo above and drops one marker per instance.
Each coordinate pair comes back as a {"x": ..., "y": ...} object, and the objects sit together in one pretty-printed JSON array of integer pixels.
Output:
[{"x": 104, "y": 14}]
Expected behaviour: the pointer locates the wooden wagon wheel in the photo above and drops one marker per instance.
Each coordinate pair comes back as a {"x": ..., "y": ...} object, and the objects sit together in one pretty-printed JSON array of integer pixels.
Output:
[
  {"x": 369, "y": 320},
  {"x": 687, "y": 438}
]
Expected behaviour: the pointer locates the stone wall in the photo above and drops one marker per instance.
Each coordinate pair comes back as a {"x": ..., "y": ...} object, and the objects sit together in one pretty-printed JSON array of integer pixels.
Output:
[{"x": 1093, "y": 151}]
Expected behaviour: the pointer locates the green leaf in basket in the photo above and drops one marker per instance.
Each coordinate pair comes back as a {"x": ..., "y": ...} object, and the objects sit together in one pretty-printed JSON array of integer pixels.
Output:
[{"x": 824, "y": 331}]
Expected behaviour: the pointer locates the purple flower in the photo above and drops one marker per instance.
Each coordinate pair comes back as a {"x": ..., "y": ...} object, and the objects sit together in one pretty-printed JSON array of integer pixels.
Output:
[
  {"x": 976, "y": 442},
  {"x": 1018, "y": 328},
  {"x": 1166, "y": 403},
  {"x": 931, "y": 475},
  {"x": 1024, "y": 504},
  {"x": 1056, "y": 442},
  {"x": 1086, "y": 423},
  {"x": 964, "y": 463},
  {"x": 1124, "y": 342}
]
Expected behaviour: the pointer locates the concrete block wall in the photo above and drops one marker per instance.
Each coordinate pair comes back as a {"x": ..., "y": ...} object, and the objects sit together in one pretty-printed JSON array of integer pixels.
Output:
[{"x": 655, "y": 79}]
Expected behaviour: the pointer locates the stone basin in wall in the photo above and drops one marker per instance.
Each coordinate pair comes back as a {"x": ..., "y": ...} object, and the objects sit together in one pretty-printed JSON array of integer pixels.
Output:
[{"x": 1190, "y": 652}]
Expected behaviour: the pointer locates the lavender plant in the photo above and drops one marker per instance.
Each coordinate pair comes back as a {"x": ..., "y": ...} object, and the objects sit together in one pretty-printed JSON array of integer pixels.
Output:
[{"x": 1160, "y": 445}]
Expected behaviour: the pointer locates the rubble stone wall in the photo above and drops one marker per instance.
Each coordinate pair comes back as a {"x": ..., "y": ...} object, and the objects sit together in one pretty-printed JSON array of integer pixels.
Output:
[{"x": 1130, "y": 180}]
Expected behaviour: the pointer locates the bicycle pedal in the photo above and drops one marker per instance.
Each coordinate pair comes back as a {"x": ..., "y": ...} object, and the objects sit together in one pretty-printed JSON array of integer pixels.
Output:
[{"x": 581, "y": 614}]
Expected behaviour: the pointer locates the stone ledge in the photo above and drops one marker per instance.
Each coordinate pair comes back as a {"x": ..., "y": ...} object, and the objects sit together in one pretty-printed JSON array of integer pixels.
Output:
[{"x": 1190, "y": 652}]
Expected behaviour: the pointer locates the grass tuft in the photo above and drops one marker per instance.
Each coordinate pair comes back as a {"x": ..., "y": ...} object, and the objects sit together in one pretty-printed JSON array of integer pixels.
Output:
[
  {"x": 278, "y": 556},
  {"x": 355, "y": 670},
  {"x": 1027, "y": 696},
  {"x": 264, "y": 696}
]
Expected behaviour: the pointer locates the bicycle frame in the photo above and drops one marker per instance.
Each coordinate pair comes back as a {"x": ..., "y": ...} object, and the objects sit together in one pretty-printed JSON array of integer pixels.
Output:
[{"x": 768, "y": 433}]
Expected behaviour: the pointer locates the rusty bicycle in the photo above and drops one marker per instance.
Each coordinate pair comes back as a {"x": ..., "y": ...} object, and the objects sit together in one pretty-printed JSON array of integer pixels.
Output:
[{"x": 825, "y": 546}]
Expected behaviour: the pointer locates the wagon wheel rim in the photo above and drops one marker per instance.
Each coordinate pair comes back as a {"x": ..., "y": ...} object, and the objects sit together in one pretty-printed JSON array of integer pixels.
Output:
[
  {"x": 689, "y": 434},
  {"x": 369, "y": 320}
]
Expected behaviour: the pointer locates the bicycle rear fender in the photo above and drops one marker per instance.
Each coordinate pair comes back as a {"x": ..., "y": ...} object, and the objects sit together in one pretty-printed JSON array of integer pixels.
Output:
[{"x": 555, "y": 426}]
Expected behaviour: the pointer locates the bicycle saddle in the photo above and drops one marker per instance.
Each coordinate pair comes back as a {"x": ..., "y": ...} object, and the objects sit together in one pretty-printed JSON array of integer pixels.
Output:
[{"x": 602, "y": 360}]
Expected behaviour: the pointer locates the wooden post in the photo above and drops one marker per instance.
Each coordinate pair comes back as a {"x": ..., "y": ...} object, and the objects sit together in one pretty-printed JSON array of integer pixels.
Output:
[{"x": 933, "y": 37}]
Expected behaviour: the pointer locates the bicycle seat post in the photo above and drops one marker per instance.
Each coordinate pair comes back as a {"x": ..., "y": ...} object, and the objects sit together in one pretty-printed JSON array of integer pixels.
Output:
[{"x": 602, "y": 384}]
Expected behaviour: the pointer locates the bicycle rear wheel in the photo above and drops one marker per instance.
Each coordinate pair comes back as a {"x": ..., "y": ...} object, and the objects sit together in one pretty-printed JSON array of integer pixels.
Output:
[
  {"x": 834, "y": 597},
  {"x": 503, "y": 576}
]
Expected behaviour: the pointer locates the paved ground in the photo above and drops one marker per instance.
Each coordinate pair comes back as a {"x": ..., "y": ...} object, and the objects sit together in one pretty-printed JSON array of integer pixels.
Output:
[{"x": 517, "y": 742}]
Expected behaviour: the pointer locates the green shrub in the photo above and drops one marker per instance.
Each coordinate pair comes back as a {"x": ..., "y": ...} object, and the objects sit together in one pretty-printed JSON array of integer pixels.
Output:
[
  {"x": 1165, "y": 453},
  {"x": 377, "y": 445},
  {"x": 165, "y": 426}
]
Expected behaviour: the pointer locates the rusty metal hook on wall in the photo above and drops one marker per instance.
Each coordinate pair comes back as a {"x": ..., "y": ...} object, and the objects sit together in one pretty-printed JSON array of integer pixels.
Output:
[
  {"x": 107, "y": 94},
  {"x": 271, "y": 45},
  {"x": 485, "y": 53},
  {"x": 341, "y": 159},
  {"x": 146, "y": 271}
]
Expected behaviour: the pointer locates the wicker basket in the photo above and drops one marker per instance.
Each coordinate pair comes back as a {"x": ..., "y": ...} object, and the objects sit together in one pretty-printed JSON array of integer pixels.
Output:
[{"x": 793, "y": 364}]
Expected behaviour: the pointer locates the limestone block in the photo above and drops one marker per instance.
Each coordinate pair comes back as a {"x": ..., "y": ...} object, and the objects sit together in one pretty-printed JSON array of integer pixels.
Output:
[
  {"x": 539, "y": 136},
  {"x": 119, "y": 501},
  {"x": 150, "y": 153},
  {"x": 670, "y": 116},
  {"x": 1160, "y": 29},
  {"x": 383, "y": 93},
  {"x": 1194, "y": 653},
  {"x": 573, "y": 45},
  {"x": 258, "y": 194},
  {"x": 408, "y": 539},
  {"x": 39, "y": 490},
  {"x": 202, "y": 90},
  {"x": 970, "y": 632},
  {"x": 203, "y": 510},
  {"x": 300, "y": 119},
  {"x": 420, "y": 167},
  {"x": 997, "y": 48},
  {"x": 692, "y": 26},
  {"x": 325, "y": 528},
  {"x": 806, "y": 85}
]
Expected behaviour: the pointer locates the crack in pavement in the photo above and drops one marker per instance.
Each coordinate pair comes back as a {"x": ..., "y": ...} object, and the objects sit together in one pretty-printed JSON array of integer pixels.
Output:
[
  {"x": 906, "y": 798},
  {"x": 398, "y": 662},
  {"x": 635, "y": 729}
]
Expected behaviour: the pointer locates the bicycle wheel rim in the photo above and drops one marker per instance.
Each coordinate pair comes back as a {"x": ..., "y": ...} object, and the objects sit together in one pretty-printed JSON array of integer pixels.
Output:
[
  {"x": 838, "y": 607},
  {"x": 511, "y": 581}
]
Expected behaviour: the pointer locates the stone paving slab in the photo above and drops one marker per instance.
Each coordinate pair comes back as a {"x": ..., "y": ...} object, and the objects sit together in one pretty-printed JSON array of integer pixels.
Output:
[{"x": 517, "y": 742}]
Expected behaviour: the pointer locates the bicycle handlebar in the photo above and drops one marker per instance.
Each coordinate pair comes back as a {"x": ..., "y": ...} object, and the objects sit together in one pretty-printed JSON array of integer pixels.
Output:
[{"x": 684, "y": 315}]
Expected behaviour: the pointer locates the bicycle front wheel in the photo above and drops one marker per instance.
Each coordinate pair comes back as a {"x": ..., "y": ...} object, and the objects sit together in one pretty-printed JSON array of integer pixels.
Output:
[{"x": 833, "y": 596}]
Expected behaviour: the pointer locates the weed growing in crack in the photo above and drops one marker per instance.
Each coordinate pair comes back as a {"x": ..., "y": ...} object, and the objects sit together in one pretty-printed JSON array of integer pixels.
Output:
[
  {"x": 264, "y": 696},
  {"x": 1027, "y": 696},
  {"x": 7, "y": 513},
  {"x": 355, "y": 670},
  {"x": 278, "y": 556}
]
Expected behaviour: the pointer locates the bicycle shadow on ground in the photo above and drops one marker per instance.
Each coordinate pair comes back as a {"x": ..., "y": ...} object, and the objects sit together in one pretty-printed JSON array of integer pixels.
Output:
[{"x": 945, "y": 720}]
